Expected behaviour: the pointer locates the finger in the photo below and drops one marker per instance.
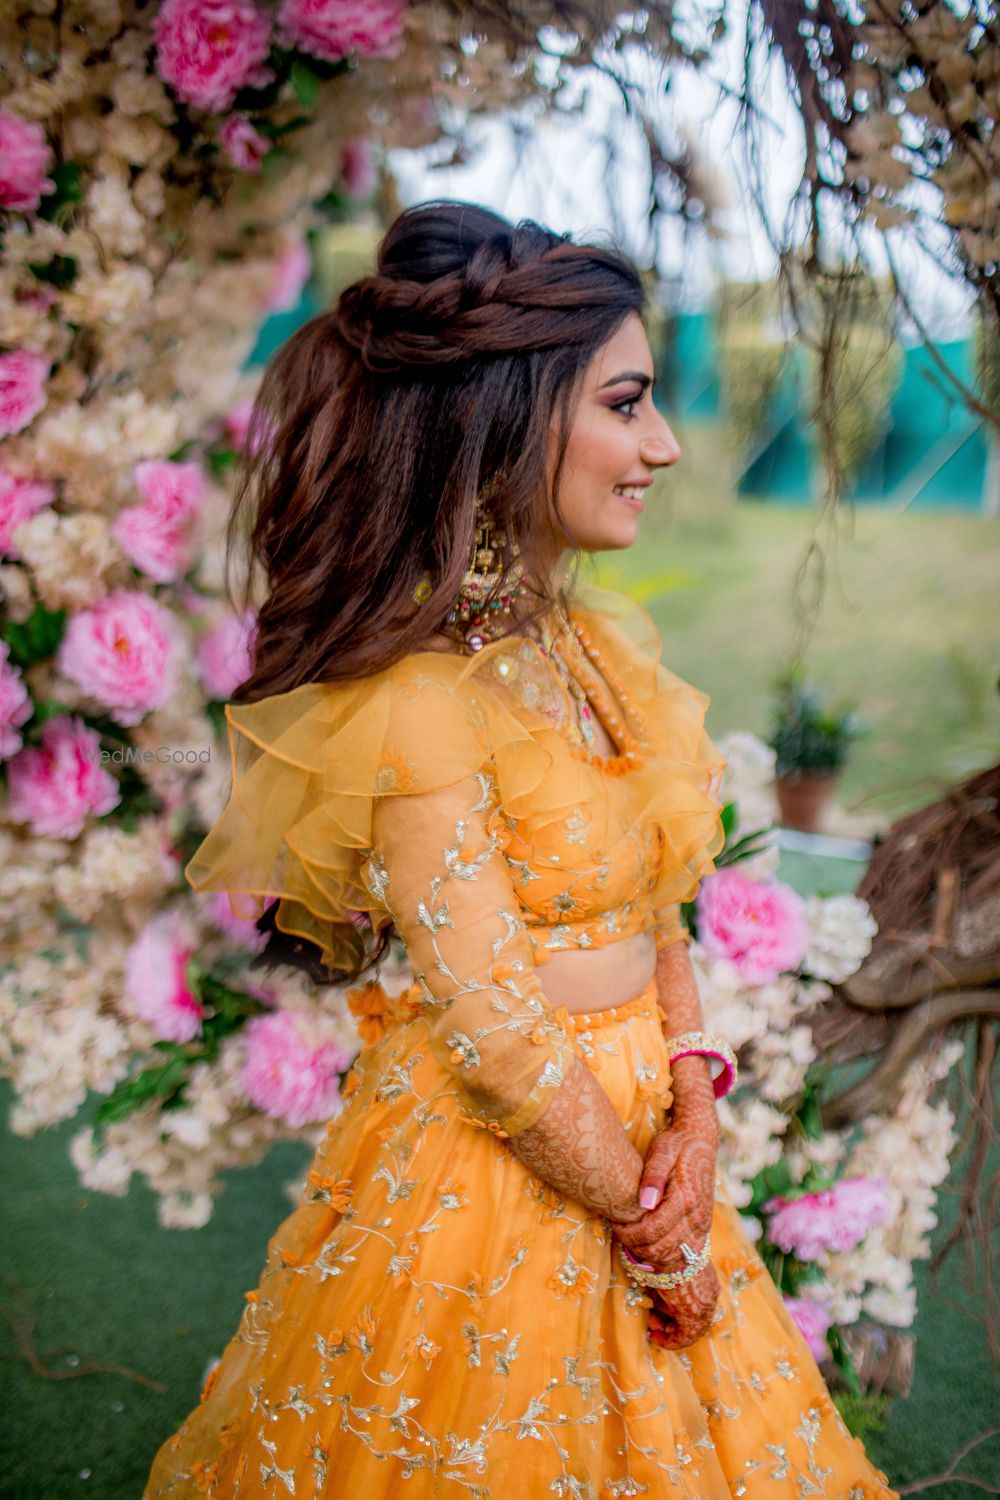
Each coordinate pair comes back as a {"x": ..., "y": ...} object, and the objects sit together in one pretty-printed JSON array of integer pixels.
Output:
[
  {"x": 660, "y": 1223},
  {"x": 661, "y": 1232},
  {"x": 658, "y": 1166}
]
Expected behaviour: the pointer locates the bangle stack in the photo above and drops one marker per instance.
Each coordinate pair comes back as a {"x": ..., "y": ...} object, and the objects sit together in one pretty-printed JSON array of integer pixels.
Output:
[
  {"x": 695, "y": 1262},
  {"x": 697, "y": 1044}
]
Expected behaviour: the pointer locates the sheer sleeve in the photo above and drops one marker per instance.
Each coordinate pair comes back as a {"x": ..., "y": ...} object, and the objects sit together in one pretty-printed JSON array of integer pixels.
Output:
[
  {"x": 669, "y": 928},
  {"x": 440, "y": 872}
]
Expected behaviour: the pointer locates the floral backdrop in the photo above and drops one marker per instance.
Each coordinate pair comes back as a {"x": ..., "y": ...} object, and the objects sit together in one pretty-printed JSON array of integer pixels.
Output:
[{"x": 162, "y": 169}]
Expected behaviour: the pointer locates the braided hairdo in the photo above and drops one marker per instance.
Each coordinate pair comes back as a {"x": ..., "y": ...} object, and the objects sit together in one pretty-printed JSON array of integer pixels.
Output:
[{"x": 522, "y": 288}]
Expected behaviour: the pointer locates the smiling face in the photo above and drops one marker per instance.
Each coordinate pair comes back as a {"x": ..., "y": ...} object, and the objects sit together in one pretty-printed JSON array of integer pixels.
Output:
[{"x": 617, "y": 441}]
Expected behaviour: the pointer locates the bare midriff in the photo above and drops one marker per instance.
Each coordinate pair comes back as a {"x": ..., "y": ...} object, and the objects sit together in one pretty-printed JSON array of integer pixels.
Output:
[{"x": 600, "y": 978}]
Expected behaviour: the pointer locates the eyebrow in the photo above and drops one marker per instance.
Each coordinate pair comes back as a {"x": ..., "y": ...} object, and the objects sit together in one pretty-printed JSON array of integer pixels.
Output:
[{"x": 638, "y": 375}]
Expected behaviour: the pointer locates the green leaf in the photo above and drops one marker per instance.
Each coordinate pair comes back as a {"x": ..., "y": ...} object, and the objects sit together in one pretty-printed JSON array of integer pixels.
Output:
[
  {"x": 58, "y": 205},
  {"x": 133, "y": 1093},
  {"x": 305, "y": 82},
  {"x": 61, "y": 271},
  {"x": 35, "y": 638}
]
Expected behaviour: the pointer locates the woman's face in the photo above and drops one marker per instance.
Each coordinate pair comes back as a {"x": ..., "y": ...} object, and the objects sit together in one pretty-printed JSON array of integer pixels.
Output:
[{"x": 617, "y": 441}]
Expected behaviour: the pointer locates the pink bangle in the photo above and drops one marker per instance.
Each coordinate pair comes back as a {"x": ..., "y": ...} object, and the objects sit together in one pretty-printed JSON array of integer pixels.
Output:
[{"x": 698, "y": 1044}]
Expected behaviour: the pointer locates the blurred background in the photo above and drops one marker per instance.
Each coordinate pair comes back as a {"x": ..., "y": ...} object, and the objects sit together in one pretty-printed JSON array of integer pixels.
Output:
[{"x": 810, "y": 192}]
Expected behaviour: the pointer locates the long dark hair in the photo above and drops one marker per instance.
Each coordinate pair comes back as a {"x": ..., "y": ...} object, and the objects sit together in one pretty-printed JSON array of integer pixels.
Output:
[{"x": 378, "y": 422}]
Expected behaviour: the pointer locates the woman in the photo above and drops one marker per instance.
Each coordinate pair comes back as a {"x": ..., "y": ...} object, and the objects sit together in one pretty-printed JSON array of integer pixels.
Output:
[{"x": 512, "y": 1271}]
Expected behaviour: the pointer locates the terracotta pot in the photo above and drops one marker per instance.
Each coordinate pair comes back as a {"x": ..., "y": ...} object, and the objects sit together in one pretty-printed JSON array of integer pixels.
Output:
[{"x": 803, "y": 799}]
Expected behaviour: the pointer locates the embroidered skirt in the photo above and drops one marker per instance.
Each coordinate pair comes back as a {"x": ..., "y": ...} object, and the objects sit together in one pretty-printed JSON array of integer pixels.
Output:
[{"x": 433, "y": 1320}]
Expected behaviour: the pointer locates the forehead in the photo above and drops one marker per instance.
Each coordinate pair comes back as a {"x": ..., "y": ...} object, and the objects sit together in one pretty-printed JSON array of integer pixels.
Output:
[{"x": 627, "y": 349}]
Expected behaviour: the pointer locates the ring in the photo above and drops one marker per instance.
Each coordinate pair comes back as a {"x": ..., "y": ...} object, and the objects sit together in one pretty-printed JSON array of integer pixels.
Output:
[{"x": 691, "y": 1256}]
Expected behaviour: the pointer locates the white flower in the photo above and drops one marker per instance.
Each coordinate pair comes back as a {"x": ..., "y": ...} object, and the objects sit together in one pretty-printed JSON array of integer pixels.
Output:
[
  {"x": 898, "y": 1309},
  {"x": 841, "y": 929}
]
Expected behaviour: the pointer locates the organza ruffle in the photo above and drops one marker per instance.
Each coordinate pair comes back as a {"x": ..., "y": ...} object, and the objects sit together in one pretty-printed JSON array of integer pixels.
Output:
[{"x": 309, "y": 765}]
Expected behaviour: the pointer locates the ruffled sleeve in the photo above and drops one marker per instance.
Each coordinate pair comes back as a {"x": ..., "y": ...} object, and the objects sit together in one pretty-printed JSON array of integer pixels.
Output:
[{"x": 375, "y": 797}]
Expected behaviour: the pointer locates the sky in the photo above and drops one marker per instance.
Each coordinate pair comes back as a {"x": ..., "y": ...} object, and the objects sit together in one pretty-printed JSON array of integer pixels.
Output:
[{"x": 557, "y": 172}]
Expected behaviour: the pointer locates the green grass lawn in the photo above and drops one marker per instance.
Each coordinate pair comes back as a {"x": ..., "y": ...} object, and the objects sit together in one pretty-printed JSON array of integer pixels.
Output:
[{"x": 908, "y": 629}]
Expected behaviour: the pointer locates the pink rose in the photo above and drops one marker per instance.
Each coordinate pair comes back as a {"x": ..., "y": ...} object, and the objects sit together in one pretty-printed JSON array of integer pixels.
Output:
[
  {"x": 330, "y": 29},
  {"x": 837, "y": 1219},
  {"x": 25, "y": 157},
  {"x": 124, "y": 651},
  {"x": 158, "y": 535},
  {"x": 156, "y": 984},
  {"x": 16, "y": 706},
  {"x": 244, "y": 145},
  {"x": 758, "y": 925},
  {"x": 288, "y": 1075},
  {"x": 56, "y": 787},
  {"x": 225, "y": 654},
  {"x": 812, "y": 1319},
  {"x": 240, "y": 929},
  {"x": 291, "y": 273},
  {"x": 207, "y": 50},
  {"x": 22, "y": 388},
  {"x": 357, "y": 167},
  {"x": 19, "y": 500}
]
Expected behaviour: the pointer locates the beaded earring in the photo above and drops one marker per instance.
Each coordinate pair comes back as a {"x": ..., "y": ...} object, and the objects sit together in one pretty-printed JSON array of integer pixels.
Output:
[{"x": 490, "y": 584}]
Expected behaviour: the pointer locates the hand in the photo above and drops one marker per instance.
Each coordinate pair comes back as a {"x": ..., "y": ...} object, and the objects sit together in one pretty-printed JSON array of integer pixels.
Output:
[
  {"x": 684, "y": 1314},
  {"x": 680, "y": 1168}
]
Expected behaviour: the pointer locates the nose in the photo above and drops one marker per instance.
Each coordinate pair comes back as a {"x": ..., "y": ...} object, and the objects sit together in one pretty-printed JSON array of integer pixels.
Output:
[{"x": 660, "y": 448}]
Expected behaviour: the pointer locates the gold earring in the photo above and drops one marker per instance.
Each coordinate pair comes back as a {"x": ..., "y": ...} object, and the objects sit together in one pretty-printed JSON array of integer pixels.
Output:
[{"x": 491, "y": 583}]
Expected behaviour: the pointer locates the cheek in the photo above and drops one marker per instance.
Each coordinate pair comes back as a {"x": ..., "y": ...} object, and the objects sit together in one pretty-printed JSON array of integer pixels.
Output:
[{"x": 601, "y": 452}]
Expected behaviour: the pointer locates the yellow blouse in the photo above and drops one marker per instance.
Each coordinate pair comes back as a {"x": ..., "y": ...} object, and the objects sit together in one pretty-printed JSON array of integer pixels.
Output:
[{"x": 444, "y": 794}]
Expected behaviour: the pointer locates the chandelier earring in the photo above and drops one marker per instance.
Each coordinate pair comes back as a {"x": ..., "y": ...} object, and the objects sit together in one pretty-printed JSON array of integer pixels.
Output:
[{"x": 493, "y": 580}]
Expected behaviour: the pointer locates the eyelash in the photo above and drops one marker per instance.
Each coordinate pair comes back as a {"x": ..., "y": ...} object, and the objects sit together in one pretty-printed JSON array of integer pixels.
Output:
[{"x": 629, "y": 401}]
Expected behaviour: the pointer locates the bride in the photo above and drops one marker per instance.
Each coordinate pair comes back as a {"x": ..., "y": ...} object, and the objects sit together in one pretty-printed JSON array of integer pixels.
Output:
[{"x": 512, "y": 1271}]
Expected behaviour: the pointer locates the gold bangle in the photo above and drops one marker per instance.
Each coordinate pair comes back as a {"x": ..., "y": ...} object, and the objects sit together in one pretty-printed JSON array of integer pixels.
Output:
[{"x": 697, "y": 1261}]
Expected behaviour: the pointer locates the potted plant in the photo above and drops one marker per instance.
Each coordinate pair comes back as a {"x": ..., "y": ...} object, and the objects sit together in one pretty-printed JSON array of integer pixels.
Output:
[{"x": 811, "y": 743}]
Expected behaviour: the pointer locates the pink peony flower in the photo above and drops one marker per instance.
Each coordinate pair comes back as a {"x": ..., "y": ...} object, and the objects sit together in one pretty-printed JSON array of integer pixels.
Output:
[
  {"x": 812, "y": 1319},
  {"x": 207, "y": 50},
  {"x": 287, "y": 1075},
  {"x": 156, "y": 984},
  {"x": 225, "y": 654},
  {"x": 760, "y": 926},
  {"x": 357, "y": 167},
  {"x": 244, "y": 145},
  {"x": 16, "y": 706},
  {"x": 837, "y": 1219},
  {"x": 25, "y": 157},
  {"x": 56, "y": 787},
  {"x": 158, "y": 535},
  {"x": 19, "y": 500},
  {"x": 330, "y": 29},
  {"x": 22, "y": 388},
  {"x": 291, "y": 273},
  {"x": 240, "y": 929},
  {"x": 124, "y": 651}
]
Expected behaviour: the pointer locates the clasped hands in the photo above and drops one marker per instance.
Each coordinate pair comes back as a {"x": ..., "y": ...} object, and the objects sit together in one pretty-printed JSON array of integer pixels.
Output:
[{"x": 680, "y": 1169}]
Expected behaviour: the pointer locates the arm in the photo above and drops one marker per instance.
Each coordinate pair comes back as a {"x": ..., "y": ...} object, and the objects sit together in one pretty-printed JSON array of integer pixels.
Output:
[
  {"x": 679, "y": 1172},
  {"x": 441, "y": 875}
]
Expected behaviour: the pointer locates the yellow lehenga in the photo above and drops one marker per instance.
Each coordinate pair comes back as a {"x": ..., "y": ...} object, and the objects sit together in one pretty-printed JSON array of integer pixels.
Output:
[{"x": 432, "y": 1319}]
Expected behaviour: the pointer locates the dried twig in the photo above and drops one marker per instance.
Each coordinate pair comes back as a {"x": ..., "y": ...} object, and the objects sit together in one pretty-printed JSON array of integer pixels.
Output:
[{"x": 916, "y": 1486}]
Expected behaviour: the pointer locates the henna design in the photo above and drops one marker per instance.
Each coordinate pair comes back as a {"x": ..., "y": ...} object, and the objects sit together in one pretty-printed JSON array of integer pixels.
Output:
[
  {"x": 682, "y": 1316},
  {"x": 580, "y": 1147}
]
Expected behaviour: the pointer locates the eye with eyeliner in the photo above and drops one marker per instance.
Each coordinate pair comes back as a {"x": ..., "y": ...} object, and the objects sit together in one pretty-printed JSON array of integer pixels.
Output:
[{"x": 629, "y": 401}]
